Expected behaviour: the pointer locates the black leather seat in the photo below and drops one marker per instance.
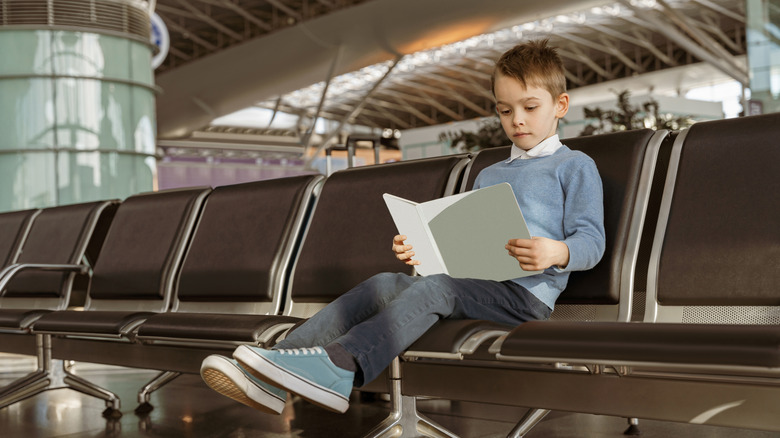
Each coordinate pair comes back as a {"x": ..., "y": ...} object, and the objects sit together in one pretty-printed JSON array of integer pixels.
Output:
[
  {"x": 52, "y": 257},
  {"x": 711, "y": 331},
  {"x": 14, "y": 226},
  {"x": 236, "y": 265},
  {"x": 627, "y": 165},
  {"x": 133, "y": 277}
]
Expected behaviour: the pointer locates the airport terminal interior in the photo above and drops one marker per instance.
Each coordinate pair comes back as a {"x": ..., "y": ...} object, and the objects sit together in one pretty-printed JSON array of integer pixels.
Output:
[{"x": 138, "y": 137}]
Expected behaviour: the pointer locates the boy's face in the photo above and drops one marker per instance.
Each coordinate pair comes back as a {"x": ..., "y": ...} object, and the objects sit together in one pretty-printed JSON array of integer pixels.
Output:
[{"x": 530, "y": 114}]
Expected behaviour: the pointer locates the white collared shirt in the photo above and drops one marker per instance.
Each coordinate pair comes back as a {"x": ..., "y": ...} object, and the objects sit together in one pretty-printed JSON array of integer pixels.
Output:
[{"x": 543, "y": 149}]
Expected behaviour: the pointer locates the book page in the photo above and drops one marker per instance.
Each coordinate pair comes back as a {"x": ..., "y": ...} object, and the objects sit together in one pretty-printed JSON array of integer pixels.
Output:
[
  {"x": 472, "y": 232},
  {"x": 407, "y": 219},
  {"x": 432, "y": 208}
]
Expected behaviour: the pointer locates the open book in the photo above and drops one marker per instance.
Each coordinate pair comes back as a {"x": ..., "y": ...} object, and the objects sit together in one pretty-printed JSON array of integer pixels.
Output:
[{"x": 463, "y": 235}]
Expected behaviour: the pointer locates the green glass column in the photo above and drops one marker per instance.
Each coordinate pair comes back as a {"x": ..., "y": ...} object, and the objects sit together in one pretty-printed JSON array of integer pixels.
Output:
[
  {"x": 763, "y": 34},
  {"x": 77, "y": 102}
]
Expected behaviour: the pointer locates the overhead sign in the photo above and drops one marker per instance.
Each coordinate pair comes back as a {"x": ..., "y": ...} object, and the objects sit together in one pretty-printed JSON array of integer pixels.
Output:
[{"x": 160, "y": 38}]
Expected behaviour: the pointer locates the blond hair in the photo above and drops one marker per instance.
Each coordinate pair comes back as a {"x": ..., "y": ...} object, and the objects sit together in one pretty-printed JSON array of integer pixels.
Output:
[{"x": 534, "y": 63}]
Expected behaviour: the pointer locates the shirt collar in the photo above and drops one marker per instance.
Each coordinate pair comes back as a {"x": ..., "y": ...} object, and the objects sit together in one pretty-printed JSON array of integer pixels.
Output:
[{"x": 543, "y": 149}]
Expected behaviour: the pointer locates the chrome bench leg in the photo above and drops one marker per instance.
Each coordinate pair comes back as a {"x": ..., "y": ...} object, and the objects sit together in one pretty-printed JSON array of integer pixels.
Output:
[
  {"x": 55, "y": 374},
  {"x": 65, "y": 379},
  {"x": 28, "y": 386},
  {"x": 145, "y": 393},
  {"x": 528, "y": 422},
  {"x": 633, "y": 427},
  {"x": 404, "y": 420}
]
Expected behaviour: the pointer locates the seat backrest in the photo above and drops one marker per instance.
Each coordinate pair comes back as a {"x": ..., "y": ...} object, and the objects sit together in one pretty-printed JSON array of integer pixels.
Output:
[
  {"x": 14, "y": 226},
  {"x": 58, "y": 236},
  {"x": 627, "y": 165},
  {"x": 479, "y": 161},
  {"x": 240, "y": 255},
  {"x": 143, "y": 250},
  {"x": 349, "y": 235},
  {"x": 716, "y": 251},
  {"x": 626, "y": 162}
]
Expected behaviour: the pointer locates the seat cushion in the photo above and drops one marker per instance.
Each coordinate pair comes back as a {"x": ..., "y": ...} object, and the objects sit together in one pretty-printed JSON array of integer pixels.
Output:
[
  {"x": 211, "y": 326},
  {"x": 447, "y": 335},
  {"x": 700, "y": 344},
  {"x": 19, "y": 318},
  {"x": 93, "y": 322}
]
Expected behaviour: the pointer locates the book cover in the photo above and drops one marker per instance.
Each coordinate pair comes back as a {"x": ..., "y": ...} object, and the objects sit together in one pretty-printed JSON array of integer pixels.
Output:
[{"x": 463, "y": 235}]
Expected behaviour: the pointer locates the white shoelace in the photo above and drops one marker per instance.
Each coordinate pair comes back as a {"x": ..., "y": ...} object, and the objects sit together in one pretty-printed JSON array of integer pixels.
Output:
[{"x": 304, "y": 351}]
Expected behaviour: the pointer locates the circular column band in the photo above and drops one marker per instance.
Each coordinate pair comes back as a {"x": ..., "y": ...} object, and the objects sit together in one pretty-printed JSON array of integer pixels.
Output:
[{"x": 126, "y": 17}]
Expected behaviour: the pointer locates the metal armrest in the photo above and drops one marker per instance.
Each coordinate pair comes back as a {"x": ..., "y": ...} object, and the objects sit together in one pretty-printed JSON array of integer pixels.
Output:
[{"x": 9, "y": 272}]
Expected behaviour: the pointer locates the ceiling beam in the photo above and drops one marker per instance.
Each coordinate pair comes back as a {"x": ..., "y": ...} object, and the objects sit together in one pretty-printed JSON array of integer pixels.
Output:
[
  {"x": 387, "y": 115},
  {"x": 417, "y": 113},
  {"x": 423, "y": 98},
  {"x": 356, "y": 110},
  {"x": 690, "y": 26},
  {"x": 713, "y": 27},
  {"x": 202, "y": 16},
  {"x": 244, "y": 13},
  {"x": 286, "y": 9},
  {"x": 651, "y": 21},
  {"x": 573, "y": 78},
  {"x": 577, "y": 55},
  {"x": 610, "y": 50},
  {"x": 180, "y": 54},
  {"x": 439, "y": 106},
  {"x": 186, "y": 33},
  {"x": 478, "y": 89},
  {"x": 635, "y": 40},
  {"x": 468, "y": 103},
  {"x": 479, "y": 74},
  {"x": 721, "y": 10}
]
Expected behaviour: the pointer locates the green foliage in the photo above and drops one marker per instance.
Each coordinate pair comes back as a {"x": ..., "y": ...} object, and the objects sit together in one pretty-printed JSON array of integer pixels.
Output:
[
  {"x": 628, "y": 117},
  {"x": 490, "y": 134}
]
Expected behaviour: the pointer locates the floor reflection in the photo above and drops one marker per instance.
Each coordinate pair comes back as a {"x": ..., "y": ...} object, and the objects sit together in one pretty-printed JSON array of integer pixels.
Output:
[{"x": 187, "y": 408}]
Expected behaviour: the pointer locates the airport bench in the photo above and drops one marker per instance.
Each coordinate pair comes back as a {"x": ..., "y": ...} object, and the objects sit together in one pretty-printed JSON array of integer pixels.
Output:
[
  {"x": 627, "y": 165},
  {"x": 707, "y": 350}
]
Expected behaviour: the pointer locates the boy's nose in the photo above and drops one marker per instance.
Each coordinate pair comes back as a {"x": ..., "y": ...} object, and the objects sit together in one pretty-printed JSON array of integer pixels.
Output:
[{"x": 518, "y": 121}]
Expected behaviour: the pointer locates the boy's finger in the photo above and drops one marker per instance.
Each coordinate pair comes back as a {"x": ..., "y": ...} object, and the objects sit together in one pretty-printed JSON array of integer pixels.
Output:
[
  {"x": 520, "y": 242},
  {"x": 517, "y": 249},
  {"x": 400, "y": 249},
  {"x": 405, "y": 255}
]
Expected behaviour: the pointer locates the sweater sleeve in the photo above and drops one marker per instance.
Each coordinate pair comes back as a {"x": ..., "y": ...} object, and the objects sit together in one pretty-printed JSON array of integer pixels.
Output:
[{"x": 583, "y": 220}]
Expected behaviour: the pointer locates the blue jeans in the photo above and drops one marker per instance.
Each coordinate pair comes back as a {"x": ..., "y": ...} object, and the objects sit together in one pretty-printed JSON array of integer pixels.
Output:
[{"x": 380, "y": 318}]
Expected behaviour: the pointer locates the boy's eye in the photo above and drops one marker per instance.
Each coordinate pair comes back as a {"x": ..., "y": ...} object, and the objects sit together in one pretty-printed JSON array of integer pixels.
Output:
[
  {"x": 530, "y": 108},
  {"x": 504, "y": 111}
]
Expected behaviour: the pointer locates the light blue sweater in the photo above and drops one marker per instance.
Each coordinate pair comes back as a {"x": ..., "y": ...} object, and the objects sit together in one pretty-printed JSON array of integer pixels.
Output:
[{"x": 561, "y": 198}]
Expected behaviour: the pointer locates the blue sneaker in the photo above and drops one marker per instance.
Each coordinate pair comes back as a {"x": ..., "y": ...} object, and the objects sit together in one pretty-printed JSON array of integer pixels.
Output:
[
  {"x": 307, "y": 372},
  {"x": 226, "y": 376}
]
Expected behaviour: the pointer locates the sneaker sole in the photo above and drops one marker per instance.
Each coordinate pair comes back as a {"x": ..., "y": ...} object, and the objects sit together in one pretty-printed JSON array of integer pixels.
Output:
[
  {"x": 223, "y": 376},
  {"x": 273, "y": 374}
]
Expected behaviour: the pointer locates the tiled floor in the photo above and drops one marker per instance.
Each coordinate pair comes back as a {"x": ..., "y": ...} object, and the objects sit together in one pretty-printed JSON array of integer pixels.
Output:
[{"x": 188, "y": 408}]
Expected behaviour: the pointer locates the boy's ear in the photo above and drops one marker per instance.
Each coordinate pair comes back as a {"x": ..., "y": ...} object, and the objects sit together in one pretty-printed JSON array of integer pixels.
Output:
[{"x": 562, "y": 105}]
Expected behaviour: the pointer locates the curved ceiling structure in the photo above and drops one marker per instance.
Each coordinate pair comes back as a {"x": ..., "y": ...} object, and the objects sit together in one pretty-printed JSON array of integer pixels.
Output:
[{"x": 409, "y": 63}]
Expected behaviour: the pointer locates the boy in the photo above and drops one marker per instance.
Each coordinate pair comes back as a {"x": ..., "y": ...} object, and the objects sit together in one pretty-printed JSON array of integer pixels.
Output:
[{"x": 350, "y": 341}]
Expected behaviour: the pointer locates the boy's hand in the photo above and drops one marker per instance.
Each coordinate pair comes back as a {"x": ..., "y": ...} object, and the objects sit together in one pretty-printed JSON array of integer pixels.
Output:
[
  {"x": 538, "y": 253},
  {"x": 402, "y": 251}
]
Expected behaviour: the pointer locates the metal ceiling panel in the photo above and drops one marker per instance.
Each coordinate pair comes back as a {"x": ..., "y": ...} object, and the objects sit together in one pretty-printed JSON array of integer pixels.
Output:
[
  {"x": 297, "y": 56},
  {"x": 381, "y": 63}
]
